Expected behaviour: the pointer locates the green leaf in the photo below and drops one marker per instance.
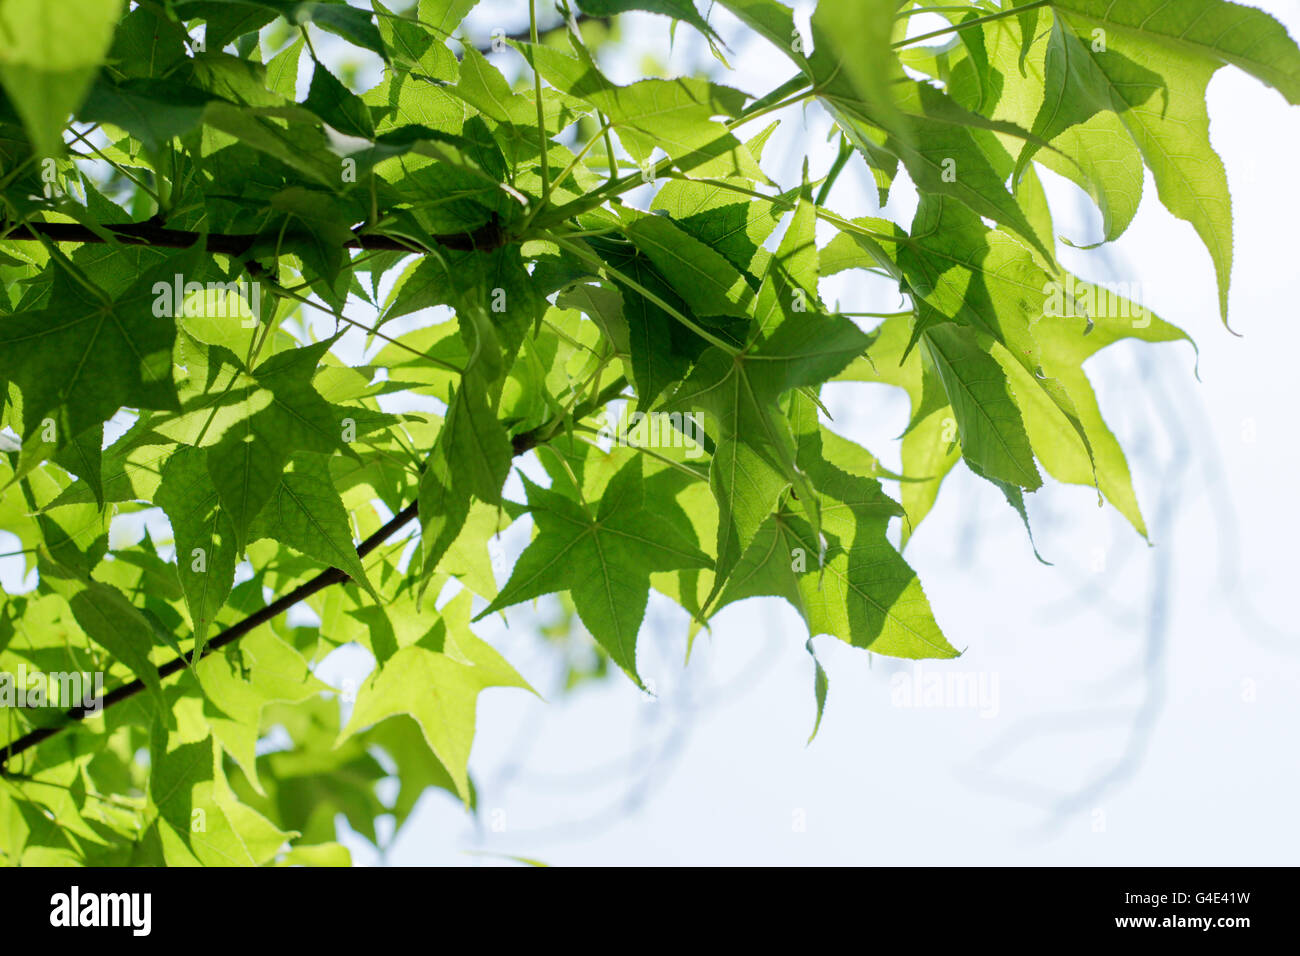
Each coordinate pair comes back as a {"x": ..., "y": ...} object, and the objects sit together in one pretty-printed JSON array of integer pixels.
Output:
[
  {"x": 445, "y": 15},
  {"x": 84, "y": 356},
  {"x": 947, "y": 149},
  {"x": 281, "y": 414},
  {"x": 1098, "y": 155},
  {"x": 438, "y": 685},
  {"x": 821, "y": 684},
  {"x": 981, "y": 277},
  {"x": 152, "y": 111},
  {"x": 337, "y": 105},
  {"x": 83, "y": 457},
  {"x": 352, "y": 24},
  {"x": 929, "y": 447},
  {"x": 51, "y": 53},
  {"x": 147, "y": 43},
  {"x": 793, "y": 347},
  {"x": 1228, "y": 32},
  {"x": 674, "y": 115},
  {"x": 861, "y": 33},
  {"x": 1159, "y": 96},
  {"x": 205, "y": 537},
  {"x": 237, "y": 689},
  {"x": 704, "y": 279},
  {"x": 470, "y": 459},
  {"x": 305, "y": 512},
  {"x": 731, "y": 223},
  {"x": 993, "y": 438},
  {"x": 200, "y": 820},
  {"x": 413, "y": 48},
  {"x": 660, "y": 347},
  {"x": 677, "y": 9},
  {"x": 864, "y": 593},
  {"x": 1067, "y": 342},
  {"x": 110, "y": 620},
  {"x": 603, "y": 559},
  {"x": 950, "y": 151}
]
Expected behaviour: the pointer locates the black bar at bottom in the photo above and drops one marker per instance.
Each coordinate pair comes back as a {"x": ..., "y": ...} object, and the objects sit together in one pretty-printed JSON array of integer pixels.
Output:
[{"x": 1226, "y": 905}]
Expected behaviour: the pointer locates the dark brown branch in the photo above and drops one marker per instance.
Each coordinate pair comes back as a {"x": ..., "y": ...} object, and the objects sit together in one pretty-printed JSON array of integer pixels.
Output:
[
  {"x": 486, "y": 237},
  {"x": 521, "y": 443},
  {"x": 228, "y": 636}
]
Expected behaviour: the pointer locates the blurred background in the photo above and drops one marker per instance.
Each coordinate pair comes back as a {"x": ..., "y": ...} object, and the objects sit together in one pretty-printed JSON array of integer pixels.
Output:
[{"x": 1134, "y": 704}]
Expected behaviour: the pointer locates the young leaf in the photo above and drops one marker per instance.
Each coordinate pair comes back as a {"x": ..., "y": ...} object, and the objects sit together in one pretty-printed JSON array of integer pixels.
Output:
[
  {"x": 437, "y": 682},
  {"x": 603, "y": 559}
]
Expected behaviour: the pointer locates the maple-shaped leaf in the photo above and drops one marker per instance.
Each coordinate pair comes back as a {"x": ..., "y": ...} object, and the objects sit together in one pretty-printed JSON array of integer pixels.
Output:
[
  {"x": 85, "y": 355},
  {"x": 604, "y": 560},
  {"x": 200, "y": 822},
  {"x": 792, "y": 344},
  {"x": 306, "y": 513},
  {"x": 437, "y": 681},
  {"x": 236, "y": 690},
  {"x": 993, "y": 439},
  {"x": 865, "y": 593},
  {"x": 1158, "y": 95},
  {"x": 470, "y": 457},
  {"x": 281, "y": 413},
  {"x": 205, "y": 537}
]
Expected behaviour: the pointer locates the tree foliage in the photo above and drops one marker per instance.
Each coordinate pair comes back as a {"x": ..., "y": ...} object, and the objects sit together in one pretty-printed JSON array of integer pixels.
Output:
[{"x": 549, "y": 246}]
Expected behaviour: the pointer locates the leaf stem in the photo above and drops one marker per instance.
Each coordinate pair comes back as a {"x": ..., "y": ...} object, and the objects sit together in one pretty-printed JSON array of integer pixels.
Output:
[
  {"x": 837, "y": 167},
  {"x": 441, "y": 363},
  {"x": 582, "y": 252},
  {"x": 121, "y": 169},
  {"x": 966, "y": 24},
  {"x": 541, "y": 113},
  {"x": 565, "y": 174}
]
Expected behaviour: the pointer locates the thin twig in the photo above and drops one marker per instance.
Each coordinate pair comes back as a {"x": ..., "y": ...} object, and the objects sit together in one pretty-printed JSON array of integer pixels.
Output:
[
  {"x": 485, "y": 238},
  {"x": 521, "y": 443}
]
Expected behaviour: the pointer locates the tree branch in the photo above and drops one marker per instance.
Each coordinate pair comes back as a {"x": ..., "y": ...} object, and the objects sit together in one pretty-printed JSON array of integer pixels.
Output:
[
  {"x": 521, "y": 443},
  {"x": 231, "y": 634},
  {"x": 486, "y": 237}
]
